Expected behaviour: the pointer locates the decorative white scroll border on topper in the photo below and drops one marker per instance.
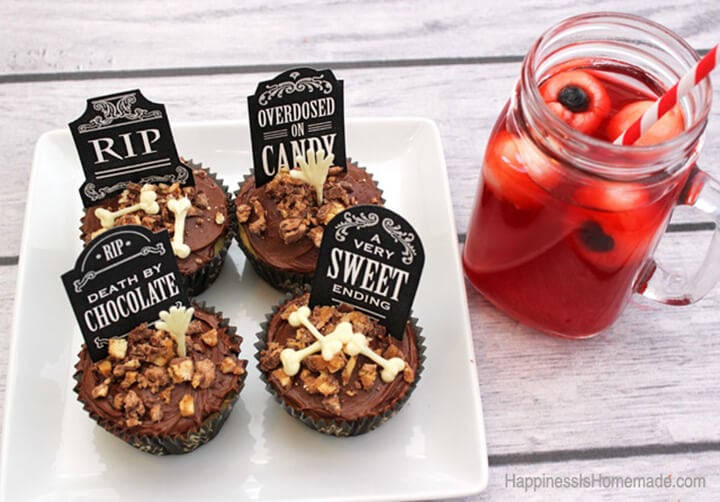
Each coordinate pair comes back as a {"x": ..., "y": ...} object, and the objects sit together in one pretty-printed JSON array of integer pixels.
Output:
[
  {"x": 79, "y": 284},
  {"x": 117, "y": 108},
  {"x": 306, "y": 84},
  {"x": 405, "y": 239},
  {"x": 94, "y": 194}
]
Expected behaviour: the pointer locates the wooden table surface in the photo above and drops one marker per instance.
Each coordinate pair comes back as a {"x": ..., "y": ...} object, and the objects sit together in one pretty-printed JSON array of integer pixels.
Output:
[{"x": 643, "y": 399}]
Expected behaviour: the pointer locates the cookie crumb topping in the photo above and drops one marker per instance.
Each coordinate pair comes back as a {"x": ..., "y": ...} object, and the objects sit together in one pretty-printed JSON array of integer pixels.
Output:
[
  {"x": 142, "y": 371},
  {"x": 303, "y": 217},
  {"x": 323, "y": 356},
  {"x": 162, "y": 206}
]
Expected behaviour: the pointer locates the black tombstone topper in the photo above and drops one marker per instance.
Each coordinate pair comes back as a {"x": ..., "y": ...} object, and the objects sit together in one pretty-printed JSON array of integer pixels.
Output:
[
  {"x": 299, "y": 109},
  {"x": 372, "y": 259},
  {"x": 123, "y": 278},
  {"x": 123, "y": 138}
]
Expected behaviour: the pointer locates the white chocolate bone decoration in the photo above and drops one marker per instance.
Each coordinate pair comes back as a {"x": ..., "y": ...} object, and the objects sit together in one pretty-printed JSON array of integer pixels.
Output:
[
  {"x": 328, "y": 346},
  {"x": 147, "y": 203},
  {"x": 179, "y": 208},
  {"x": 176, "y": 323},
  {"x": 314, "y": 171},
  {"x": 341, "y": 338}
]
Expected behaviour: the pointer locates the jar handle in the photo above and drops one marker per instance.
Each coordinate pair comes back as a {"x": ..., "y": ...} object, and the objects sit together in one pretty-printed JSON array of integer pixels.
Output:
[{"x": 702, "y": 192}]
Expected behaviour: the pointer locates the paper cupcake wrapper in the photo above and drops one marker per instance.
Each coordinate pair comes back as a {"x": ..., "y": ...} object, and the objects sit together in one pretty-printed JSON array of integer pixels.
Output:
[
  {"x": 284, "y": 280},
  {"x": 179, "y": 443},
  {"x": 199, "y": 281},
  {"x": 279, "y": 279},
  {"x": 338, "y": 427}
]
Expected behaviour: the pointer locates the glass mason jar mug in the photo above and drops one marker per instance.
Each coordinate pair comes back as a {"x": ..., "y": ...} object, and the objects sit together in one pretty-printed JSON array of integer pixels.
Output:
[{"x": 566, "y": 222}]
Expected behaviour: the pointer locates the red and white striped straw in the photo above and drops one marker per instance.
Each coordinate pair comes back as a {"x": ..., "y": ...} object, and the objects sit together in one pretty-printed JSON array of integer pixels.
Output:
[{"x": 681, "y": 89}]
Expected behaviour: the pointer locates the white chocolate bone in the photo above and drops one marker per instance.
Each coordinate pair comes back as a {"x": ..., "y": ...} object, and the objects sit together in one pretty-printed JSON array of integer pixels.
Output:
[
  {"x": 314, "y": 170},
  {"x": 176, "y": 323},
  {"x": 391, "y": 367},
  {"x": 342, "y": 336},
  {"x": 147, "y": 203},
  {"x": 291, "y": 358},
  {"x": 357, "y": 343},
  {"x": 179, "y": 208},
  {"x": 328, "y": 346}
]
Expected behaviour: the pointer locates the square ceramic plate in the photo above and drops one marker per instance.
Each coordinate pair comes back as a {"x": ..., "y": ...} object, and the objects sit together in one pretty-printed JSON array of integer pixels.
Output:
[{"x": 434, "y": 448}]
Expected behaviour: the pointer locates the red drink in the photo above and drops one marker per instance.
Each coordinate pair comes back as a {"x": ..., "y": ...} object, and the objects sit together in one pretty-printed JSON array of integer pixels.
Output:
[
  {"x": 552, "y": 243},
  {"x": 565, "y": 222}
]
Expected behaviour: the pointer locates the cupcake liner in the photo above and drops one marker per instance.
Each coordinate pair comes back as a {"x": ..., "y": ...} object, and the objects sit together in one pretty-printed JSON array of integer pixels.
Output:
[
  {"x": 284, "y": 280},
  {"x": 338, "y": 427},
  {"x": 200, "y": 280},
  {"x": 170, "y": 445},
  {"x": 181, "y": 443},
  {"x": 279, "y": 279}
]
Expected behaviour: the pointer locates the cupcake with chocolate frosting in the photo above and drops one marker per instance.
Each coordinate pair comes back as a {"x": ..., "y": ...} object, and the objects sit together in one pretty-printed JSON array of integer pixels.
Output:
[
  {"x": 164, "y": 392},
  {"x": 201, "y": 210},
  {"x": 335, "y": 368},
  {"x": 280, "y": 224}
]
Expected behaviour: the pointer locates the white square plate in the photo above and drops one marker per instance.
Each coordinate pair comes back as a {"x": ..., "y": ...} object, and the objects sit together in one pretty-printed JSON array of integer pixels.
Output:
[{"x": 435, "y": 447}]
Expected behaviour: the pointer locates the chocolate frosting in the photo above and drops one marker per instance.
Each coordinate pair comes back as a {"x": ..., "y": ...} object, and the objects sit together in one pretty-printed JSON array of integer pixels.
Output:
[
  {"x": 300, "y": 256},
  {"x": 206, "y": 401},
  {"x": 380, "y": 398},
  {"x": 202, "y": 230}
]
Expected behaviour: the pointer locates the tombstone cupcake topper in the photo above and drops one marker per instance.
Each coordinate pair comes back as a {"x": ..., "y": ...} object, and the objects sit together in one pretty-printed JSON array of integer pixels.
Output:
[
  {"x": 372, "y": 259},
  {"x": 125, "y": 277},
  {"x": 298, "y": 110},
  {"x": 123, "y": 138}
]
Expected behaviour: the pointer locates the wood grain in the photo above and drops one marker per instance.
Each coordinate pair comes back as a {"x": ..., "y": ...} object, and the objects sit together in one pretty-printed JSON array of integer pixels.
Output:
[
  {"x": 464, "y": 100},
  {"x": 8, "y": 277},
  {"x": 647, "y": 381},
  {"x": 70, "y": 36},
  {"x": 643, "y": 382},
  {"x": 639, "y": 400},
  {"x": 692, "y": 477}
]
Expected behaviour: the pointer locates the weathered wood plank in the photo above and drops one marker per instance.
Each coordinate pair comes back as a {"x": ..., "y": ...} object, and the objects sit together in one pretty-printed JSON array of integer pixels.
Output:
[
  {"x": 8, "y": 276},
  {"x": 68, "y": 36},
  {"x": 648, "y": 381},
  {"x": 645, "y": 381},
  {"x": 680, "y": 477},
  {"x": 464, "y": 100}
]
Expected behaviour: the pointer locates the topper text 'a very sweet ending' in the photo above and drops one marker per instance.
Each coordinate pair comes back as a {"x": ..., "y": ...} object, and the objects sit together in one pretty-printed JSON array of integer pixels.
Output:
[{"x": 361, "y": 272}]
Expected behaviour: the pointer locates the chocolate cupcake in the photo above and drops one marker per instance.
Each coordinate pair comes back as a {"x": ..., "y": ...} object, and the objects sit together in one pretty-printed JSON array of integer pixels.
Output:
[
  {"x": 208, "y": 229},
  {"x": 162, "y": 403},
  {"x": 280, "y": 224},
  {"x": 334, "y": 384}
]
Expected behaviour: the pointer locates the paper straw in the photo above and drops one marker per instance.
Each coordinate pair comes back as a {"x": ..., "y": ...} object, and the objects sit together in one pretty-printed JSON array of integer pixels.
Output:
[{"x": 681, "y": 89}]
